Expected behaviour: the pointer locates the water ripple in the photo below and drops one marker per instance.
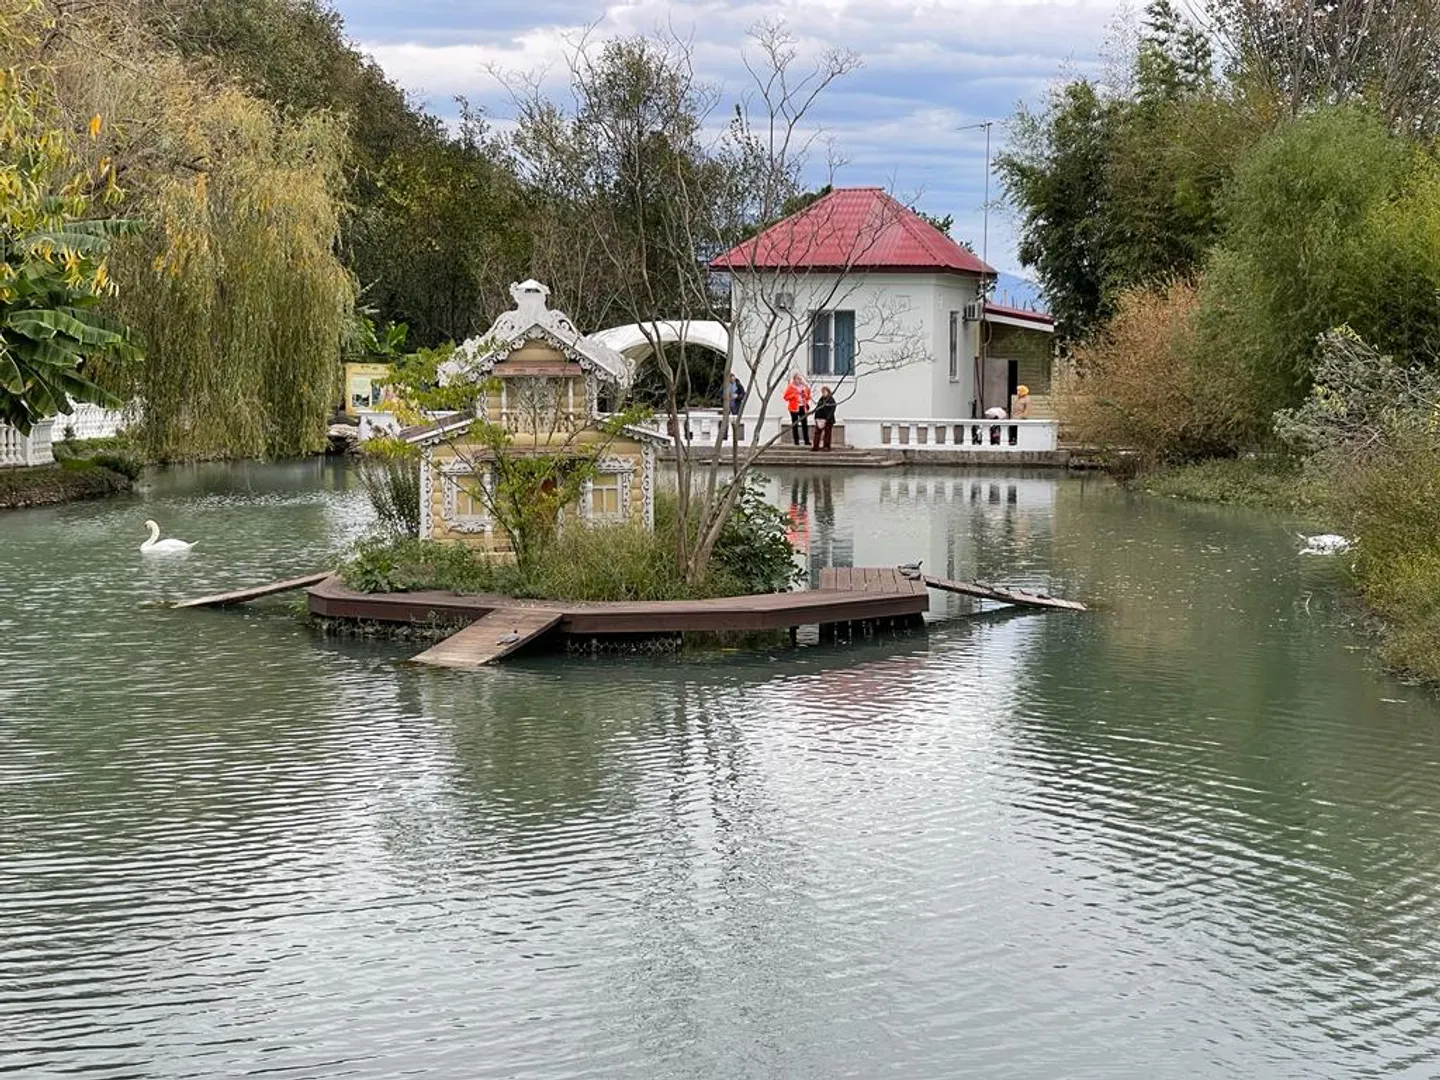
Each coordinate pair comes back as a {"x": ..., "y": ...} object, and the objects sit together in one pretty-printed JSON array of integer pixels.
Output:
[{"x": 1139, "y": 844}]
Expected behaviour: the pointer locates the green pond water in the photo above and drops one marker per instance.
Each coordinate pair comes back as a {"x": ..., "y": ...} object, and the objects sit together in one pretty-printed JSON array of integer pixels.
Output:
[{"x": 1194, "y": 833}]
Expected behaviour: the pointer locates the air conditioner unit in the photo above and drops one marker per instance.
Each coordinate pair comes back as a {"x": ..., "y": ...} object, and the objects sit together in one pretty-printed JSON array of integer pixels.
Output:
[
  {"x": 973, "y": 311},
  {"x": 783, "y": 301}
]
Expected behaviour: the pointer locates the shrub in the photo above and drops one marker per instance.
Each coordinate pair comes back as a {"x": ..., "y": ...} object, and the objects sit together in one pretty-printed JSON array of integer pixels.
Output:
[
  {"x": 754, "y": 549},
  {"x": 1143, "y": 386},
  {"x": 1393, "y": 505},
  {"x": 1267, "y": 483},
  {"x": 601, "y": 562},
  {"x": 127, "y": 464},
  {"x": 390, "y": 475},
  {"x": 390, "y": 564}
]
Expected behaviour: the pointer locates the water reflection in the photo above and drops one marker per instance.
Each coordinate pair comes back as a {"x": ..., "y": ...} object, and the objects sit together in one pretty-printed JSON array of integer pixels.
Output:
[{"x": 1188, "y": 835}]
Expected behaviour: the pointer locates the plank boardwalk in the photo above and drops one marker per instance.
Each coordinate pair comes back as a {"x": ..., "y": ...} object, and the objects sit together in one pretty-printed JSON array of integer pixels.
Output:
[
  {"x": 1002, "y": 594},
  {"x": 887, "y": 597},
  {"x": 490, "y": 637},
  {"x": 240, "y": 596}
]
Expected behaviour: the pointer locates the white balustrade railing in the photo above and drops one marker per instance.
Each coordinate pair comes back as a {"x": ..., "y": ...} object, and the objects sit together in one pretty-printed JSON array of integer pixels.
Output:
[
  {"x": 32, "y": 449},
  {"x": 86, "y": 422},
  {"x": 890, "y": 433},
  {"x": 924, "y": 434}
]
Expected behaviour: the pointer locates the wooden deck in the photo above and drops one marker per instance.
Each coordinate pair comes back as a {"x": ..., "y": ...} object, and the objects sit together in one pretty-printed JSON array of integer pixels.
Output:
[
  {"x": 855, "y": 599},
  {"x": 886, "y": 596},
  {"x": 489, "y": 637},
  {"x": 254, "y": 592}
]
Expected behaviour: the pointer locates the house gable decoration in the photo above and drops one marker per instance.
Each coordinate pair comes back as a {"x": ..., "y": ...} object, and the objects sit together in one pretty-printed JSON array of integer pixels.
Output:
[
  {"x": 854, "y": 229},
  {"x": 532, "y": 319}
]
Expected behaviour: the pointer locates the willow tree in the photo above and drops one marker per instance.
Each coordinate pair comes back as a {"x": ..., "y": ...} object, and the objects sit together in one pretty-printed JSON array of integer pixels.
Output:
[{"x": 238, "y": 294}]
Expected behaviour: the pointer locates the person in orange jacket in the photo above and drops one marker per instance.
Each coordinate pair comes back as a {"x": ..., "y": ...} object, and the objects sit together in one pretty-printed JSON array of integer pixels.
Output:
[{"x": 797, "y": 400}]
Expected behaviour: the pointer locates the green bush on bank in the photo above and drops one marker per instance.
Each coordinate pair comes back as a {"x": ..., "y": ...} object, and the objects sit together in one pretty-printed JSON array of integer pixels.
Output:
[
  {"x": 1262, "y": 482},
  {"x": 116, "y": 453},
  {"x": 1393, "y": 506},
  {"x": 45, "y": 485}
]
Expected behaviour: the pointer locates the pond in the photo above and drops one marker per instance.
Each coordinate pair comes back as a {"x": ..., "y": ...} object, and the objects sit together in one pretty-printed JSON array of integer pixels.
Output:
[{"x": 1194, "y": 833}]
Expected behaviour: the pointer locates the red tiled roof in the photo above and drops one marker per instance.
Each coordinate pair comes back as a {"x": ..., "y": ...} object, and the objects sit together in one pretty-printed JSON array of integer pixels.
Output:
[
  {"x": 1043, "y": 317},
  {"x": 853, "y": 228}
]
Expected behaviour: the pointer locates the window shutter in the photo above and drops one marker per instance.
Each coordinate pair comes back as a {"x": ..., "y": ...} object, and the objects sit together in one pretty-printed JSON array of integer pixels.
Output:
[
  {"x": 820, "y": 343},
  {"x": 844, "y": 342}
]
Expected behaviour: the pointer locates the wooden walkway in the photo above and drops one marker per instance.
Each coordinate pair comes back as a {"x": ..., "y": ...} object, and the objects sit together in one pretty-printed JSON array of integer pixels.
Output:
[
  {"x": 872, "y": 580},
  {"x": 489, "y": 638},
  {"x": 240, "y": 596},
  {"x": 888, "y": 596},
  {"x": 1001, "y": 593}
]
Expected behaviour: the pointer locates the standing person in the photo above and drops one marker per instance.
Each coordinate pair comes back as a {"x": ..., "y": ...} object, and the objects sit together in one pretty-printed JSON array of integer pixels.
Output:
[
  {"x": 797, "y": 400},
  {"x": 735, "y": 398},
  {"x": 824, "y": 420},
  {"x": 1022, "y": 403}
]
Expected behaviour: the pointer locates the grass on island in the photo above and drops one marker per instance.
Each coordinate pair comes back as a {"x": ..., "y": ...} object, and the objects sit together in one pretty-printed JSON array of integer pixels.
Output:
[
  {"x": 1261, "y": 482},
  {"x": 604, "y": 562}
]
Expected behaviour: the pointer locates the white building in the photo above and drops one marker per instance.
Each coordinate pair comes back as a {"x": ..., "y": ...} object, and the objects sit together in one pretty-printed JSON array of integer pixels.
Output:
[{"x": 863, "y": 295}]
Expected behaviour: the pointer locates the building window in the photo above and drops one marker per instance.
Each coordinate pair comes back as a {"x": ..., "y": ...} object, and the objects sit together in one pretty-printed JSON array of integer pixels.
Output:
[
  {"x": 954, "y": 346},
  {"x": 607, "y": 501},
  {"x": 467, "y": 507},
  {"x": 832, "y": 343}
]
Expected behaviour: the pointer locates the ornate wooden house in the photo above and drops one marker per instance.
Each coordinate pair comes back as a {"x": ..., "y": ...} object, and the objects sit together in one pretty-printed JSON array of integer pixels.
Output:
[{"x": 550, "y": 388}]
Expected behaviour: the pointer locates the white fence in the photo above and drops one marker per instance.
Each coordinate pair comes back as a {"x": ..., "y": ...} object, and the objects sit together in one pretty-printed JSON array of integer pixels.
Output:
[
  {"x": 888, "y": 433},
  {"x": 86, "y": 422},
  {"x": 1015, "y": 436}
]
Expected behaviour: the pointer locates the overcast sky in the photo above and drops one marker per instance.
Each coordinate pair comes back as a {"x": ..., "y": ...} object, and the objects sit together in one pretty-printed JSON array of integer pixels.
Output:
[{"x": 930, "y": 68}]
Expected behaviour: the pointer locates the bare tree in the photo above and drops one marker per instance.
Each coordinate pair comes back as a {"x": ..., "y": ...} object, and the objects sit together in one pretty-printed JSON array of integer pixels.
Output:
[
  {"x": 660, "y": 183},
  {"x": 1308, "y": 52}
]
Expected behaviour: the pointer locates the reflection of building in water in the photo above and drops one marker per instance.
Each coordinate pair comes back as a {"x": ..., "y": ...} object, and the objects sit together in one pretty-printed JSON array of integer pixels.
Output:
[
  {"x": 960, "y": 524},
  {"x": 808, "y": 498}
]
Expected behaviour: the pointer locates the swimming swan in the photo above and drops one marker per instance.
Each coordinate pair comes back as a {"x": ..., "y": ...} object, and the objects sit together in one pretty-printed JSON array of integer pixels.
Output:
[
  {"x": 156, "y": 546},
  {"x": 1324, "y": 544}
]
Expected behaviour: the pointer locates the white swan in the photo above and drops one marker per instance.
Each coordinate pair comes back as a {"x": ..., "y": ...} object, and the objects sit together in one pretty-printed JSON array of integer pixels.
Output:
[
  {"x": 156, "y": 546},
  {"x": 1324, "y": 544}
]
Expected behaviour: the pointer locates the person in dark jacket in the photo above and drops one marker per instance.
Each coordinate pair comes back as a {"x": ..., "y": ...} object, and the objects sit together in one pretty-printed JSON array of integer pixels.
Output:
[
  {"x": 735, "y": 401},
  {"x": 824, "y": 417}
]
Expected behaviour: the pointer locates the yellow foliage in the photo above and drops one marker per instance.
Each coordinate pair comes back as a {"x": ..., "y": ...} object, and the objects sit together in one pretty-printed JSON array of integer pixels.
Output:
[{"x": 1143, "y": 386}]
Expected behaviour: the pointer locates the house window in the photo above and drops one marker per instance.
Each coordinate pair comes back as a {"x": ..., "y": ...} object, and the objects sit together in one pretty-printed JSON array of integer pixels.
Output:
[
  {"x": 466, "y": 505},
  {"x": 606, "y": 503},
  {"x": 832, "y": 342},
  {"x": 954, "y": 346}
]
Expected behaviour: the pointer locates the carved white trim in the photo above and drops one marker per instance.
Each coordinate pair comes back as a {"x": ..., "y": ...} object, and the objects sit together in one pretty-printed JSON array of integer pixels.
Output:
[
  {"x": 451, "y": 474},
  {"x": 624, "y": 469},
  {"x": 427, "y": 492},
  {"x": 532, "y": 319},
  {"x": 647, "y": 484}
]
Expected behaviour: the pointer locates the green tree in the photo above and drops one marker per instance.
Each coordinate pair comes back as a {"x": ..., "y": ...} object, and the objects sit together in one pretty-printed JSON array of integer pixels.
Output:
[
  {"x": 1317, "y": 235},
  {"x": 239, "y": 294},
  {"x": 54, "y": 269},
  {"x": 1056, "y": 172}
]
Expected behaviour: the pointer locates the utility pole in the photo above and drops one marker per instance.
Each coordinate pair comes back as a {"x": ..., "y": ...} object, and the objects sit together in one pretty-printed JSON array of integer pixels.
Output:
[
  {"x": 978, "y": 402},
  {"x": 985, "y": 206}
]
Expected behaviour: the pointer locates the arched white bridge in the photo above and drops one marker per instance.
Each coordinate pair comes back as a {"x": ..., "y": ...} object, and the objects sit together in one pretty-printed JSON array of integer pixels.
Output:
[{"x": 635, "y": 341}]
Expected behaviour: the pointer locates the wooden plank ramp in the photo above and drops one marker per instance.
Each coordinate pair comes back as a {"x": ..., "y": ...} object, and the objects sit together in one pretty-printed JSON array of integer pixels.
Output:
[
  {"x": 1002, "y": 594},
  {"x": 254, "y": 592},
  {"x": 490, "y": 637}
]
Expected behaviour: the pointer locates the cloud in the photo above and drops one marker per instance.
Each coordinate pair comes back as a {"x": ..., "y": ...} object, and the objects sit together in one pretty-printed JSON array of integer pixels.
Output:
[{"x": 930, "y": 67}]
